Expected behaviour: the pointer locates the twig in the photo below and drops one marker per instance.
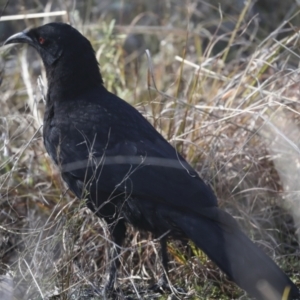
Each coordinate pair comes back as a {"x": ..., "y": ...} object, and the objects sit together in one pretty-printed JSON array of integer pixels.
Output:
[{"x": 33, "y": 16}]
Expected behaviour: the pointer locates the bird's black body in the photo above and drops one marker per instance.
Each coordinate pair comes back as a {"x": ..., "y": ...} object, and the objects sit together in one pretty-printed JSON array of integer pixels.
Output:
[{"x": 109, "y": 154}]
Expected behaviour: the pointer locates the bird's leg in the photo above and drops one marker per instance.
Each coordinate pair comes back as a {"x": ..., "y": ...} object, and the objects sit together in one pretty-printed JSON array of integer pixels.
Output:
[
  {"x": 117, "y": 231},
  {"x": 163, "y": 282}
]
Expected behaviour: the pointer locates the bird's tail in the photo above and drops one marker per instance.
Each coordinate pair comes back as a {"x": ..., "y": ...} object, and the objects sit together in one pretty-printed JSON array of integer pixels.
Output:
[{"x": 218, "y": 235}]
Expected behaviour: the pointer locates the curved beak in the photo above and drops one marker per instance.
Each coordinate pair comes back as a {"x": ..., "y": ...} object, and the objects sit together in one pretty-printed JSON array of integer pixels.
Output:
[{"x": 20, "y": 37}]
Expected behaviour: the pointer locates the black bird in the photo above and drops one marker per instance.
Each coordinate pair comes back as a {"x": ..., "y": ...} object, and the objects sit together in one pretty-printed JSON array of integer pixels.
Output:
[{"x": 111, "y": 155}]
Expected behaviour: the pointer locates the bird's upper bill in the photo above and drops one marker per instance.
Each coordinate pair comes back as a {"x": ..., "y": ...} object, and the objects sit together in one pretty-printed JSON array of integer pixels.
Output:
[{"x": 20, "y": 37}]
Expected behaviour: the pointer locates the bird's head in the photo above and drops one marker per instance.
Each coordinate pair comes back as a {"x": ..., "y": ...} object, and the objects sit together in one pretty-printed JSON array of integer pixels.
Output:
[
  {"x": 67, "y": 55},
  {"x": 52, "y": 40}
]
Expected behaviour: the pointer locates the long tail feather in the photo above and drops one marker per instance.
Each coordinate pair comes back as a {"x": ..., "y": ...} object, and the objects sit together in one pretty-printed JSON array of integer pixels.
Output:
[{"x": 236, "y": 255}]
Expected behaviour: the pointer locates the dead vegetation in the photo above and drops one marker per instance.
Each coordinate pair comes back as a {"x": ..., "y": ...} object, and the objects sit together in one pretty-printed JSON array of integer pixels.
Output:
[{"x": 232, "y": 110}]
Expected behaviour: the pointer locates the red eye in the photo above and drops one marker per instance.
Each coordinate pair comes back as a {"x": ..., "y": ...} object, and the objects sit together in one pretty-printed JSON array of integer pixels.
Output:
[{"x": 41, "y": 40}]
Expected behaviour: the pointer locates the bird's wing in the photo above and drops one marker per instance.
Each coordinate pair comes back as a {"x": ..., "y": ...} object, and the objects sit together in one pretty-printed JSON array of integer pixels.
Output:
[{"x": 126, "y": 154}]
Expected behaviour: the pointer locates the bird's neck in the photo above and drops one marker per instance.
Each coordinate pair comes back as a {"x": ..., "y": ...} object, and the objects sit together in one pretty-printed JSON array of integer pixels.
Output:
[{"x": 72, "y": 78}]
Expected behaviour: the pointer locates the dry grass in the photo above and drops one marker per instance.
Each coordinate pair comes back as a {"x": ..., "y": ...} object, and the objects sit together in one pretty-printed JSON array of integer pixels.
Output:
[{"x": 233, "y": 113}]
